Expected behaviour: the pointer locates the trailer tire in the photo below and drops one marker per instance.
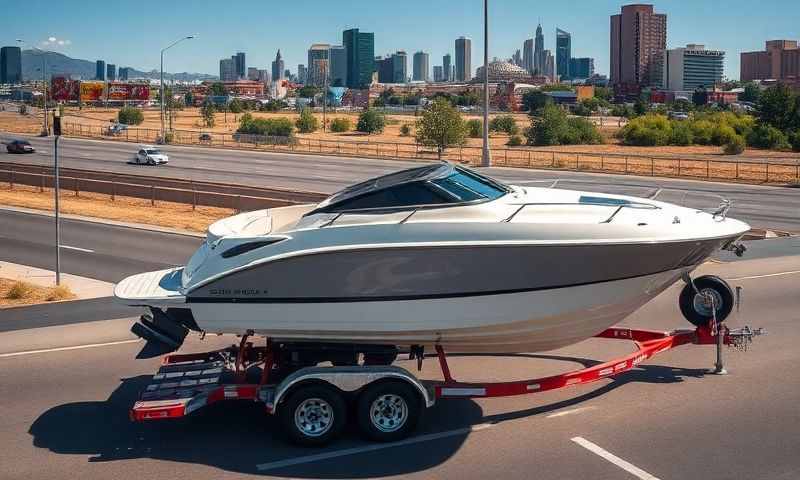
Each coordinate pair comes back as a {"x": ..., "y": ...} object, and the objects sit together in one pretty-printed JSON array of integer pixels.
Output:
[
  {"x": 313, "y": 415},
  {"x": 388, "y": 411},
  {"x": 692, "y": 305}
]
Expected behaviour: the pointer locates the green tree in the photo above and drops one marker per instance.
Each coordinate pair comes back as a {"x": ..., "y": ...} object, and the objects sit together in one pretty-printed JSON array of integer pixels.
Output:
[
  {"x": 777, "y": 106},
  {"x": 474, "y": 128},
  {"x": 603, "y": 93},
  {"x": 188, "y": 99},
  {"x": 339, "y": 125},
  {"x": 504, "y": 124},
  {"x": 130, "y": 116},
  {"x": 535, "y": 100},
  {"x": 308, "y": 91},
  {"x": 217, "y": 88},
  {"x": 734, "y": 146},
  {"x": 556, "y": 87},
  {"x": 207, "y": 111},
  {"x": 236, "y": 106},
  {"x": 307, "y": 123},
  {"x": 751, "y": 93},
  {"x": 371, "y": 121},
  {"x": 640, "y": 107},
  {"x": 700, "y": 96},
  {"x": 441, "y": 126}
]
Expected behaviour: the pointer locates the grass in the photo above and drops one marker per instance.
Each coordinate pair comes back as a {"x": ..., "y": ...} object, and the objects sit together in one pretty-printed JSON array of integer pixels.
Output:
[{"x": 18, "y": 292}]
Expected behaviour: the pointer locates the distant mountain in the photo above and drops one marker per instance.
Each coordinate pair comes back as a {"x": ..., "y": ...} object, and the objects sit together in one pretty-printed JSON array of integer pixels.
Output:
[{"x": 60, "y": 64}]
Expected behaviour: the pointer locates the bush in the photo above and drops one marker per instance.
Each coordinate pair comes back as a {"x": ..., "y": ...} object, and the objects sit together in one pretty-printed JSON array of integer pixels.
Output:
[
  {"x": 504, "y": 124},
  {"x": 474, "y": 128},
  {"x": 681, "y": 134},
  {"x": 722, "y": 134},
  {"x": 767, "y": 136},
  {"x": 734, "y": 146},
  {"x": 554, "y": 128},
  {"x": 273, "y": 127},
  {"x": 647, "y": 131},
  {"x": 514, "y": 141},
  {"x": 169, "y": 137},
  {"x": 339, "y": 125},
  {"x": 371, "y": 122},
  {"x": 307, "y": 123},
  {"x": 20, "y": 290},
  {"x": 405, "y": 130},
  {"x": 236, "y": 106},
  {"x": 794, "y": 140},
  {"x": 703, "y": 130},
  {"x": 130, "y": 116}
]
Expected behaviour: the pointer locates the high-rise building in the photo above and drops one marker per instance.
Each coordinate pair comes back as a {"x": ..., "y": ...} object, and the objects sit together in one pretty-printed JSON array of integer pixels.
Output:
[
  {"x": 338, "y": 60},
  {"x": 317, "y": 64},
  {"x": 780, "y": 61},
  {"x": 100, "y": 70},
  {"x": 278, "y": 68},
  {"x": 421, "y": 67},
  {"x": 581, "y": 67},
  {"x": 240, "y": 65},
  {"x": 124, "y": 73},
  {"x": 438, "y": 74},
  {"x": 10, "y": 65},
  {"x": 690, "y": 67},
  {"x": 227, "y": 70},
  {"x": 252, "y": 73},
  {"x": 360, "y": 48},
  {"x": 399, "y": 67},
  {"x": 638, "y": 36},
  {"x": 447, "y": 68},
  {"x": 516, "y": 59},
  {"x": 527, "y": 56},
  {"x": 563, "y": 54},
  {"x": 111, "y": 72},
  {"x": 463, "y": 59},
  {"x": 539, "y": 57},
  {"x": 302, "y": 74},
  {"x": 549, "y": 66}
]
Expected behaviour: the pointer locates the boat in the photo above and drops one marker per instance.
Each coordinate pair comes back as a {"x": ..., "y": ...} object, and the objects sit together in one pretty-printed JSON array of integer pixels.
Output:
[{"x": 437, "y": 255}]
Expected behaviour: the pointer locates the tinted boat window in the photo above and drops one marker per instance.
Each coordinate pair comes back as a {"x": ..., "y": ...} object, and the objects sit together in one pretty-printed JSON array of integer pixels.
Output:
[
  {"x": 402, "y": 195},
  {"x": 466, "y": 187}
]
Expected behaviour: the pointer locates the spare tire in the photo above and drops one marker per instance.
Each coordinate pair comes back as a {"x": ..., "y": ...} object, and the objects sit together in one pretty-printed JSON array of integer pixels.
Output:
[{"x": 696, "y": 307}]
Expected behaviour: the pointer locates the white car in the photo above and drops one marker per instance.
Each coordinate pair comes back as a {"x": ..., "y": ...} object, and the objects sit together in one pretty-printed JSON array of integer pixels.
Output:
[{"x": 150, "y": 155}]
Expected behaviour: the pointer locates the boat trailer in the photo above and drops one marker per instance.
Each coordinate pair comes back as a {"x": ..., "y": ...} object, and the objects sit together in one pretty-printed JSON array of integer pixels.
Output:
[{"x": 311, "y": 402}]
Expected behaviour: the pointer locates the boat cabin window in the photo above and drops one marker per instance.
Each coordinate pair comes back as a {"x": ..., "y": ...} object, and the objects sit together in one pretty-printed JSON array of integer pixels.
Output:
[{"x": 398, "y": 196}]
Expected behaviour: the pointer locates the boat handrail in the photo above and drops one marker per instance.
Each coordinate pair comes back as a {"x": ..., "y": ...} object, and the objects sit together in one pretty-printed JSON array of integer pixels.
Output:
[{"x": 619, "y": 206}]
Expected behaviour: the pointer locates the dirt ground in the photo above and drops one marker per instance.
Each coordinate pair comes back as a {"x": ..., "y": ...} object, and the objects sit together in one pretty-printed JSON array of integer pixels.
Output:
[
  {"x": 125, "y": 209},
  {"x": 16, "y": 292}
]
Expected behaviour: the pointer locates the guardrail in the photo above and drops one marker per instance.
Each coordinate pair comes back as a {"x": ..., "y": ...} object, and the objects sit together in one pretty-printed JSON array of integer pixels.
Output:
[
  {"x": 154, "y": 189},
  {"x": 745, "y": 170}
]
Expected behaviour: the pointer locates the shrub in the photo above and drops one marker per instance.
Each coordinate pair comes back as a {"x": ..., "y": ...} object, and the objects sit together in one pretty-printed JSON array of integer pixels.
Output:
[
  {"x": 681, "y": 134},
  {"x": 20, "y": 290},
  {"x": 734, "y": 146},
  {"x": 130, "y": 116},
  {"x": 371, "y": 122},
  {"x": 474, "y": 128},
  {"x": 581, "y": 131},
  {"x": 236, "y": 106},
  {"x": 794, "y": 140},
  {"x": 504, "y": 124},
  {"x": 647, "y": 131},
  {"x": 405, "y": 130},
  {"x": 767, "y": 136},
  {"x": 554, "y": 128},
  {"x": 722, "y": 134},
  {"x": 307, "y": 123},
  {"x": 169, "y": 137},
  {"x": 514, "y": 141},
  {"x": 274, "y": 127},
  {"x": 702, "y": 130},
  {"x": 339, "y": 125}
]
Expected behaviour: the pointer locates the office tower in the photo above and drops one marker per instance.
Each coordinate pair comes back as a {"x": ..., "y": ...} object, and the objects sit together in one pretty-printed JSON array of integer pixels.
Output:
[
  {"x": 421, "y": 67},
  {"x": 302, "y": 74},
  {"x": 317, "y": 64},
  {"x": 252, "y": 74},
  {"x": 447, "y": 67},
  {"x": 780, "y": 61},
  {"x": 539, "y": 57},
  {"x": 227, "y": 70},
  {"x": 100, "y": 70},
  {"x": 399, "y": 67},
  {"x": 527, "y": 55},
  {"x": 278, "y": 68},
  {"x": 124, "y": 73},
  {"x": 10, "y": 65},
  {"x": 463, "y": 59},
  {"x": 360, "y": 49},
  {"x": 516, "y": 59},
  {"x": 111, "y": 72},
  {"x": 581, "y": 67},
  {"x": 563, "y": 54},
  {"x": 337, "y": 56},
  {"x": 438, "y": 75},
  {"x": 548, "y": 68},
  {"x": 690, "y": 67},
  {"x": 452, "y": 72},
  {"x": 638, "y": 36},
  {"x": 239, "y": 64}
]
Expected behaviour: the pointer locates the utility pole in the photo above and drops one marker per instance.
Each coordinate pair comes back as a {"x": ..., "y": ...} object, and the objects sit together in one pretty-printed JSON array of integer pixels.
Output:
[
  {"x": 161, "y": 85},
  {"x": 56, "y": 185},
  {"x": 45, "y": 129},
  {"x": 325, "y": 95},
  {"x": 486, "y": 156}
]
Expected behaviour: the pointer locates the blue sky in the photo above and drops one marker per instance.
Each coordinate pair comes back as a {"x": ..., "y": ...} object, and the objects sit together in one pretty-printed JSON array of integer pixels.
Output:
[{"x": 130, "y": 34}]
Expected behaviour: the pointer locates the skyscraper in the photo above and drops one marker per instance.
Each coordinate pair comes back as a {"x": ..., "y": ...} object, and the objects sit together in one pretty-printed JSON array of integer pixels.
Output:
[
  {"x": 638, "y": 36},
  {"x": 688, "y": 68},
  {"x": 318, "y": 56},
  {"x": 516, "y": 59},
  {"x": 399, "y": 67},
  {"x": 527, "y": 55},
  {"x": 240, "y": 65},
  {"x": 538, "y": 51},
  {"x": 438, "y": 75},
  {"x": 447, "y": 68},
  {"x": 302, "y": 74},
  {"x": 581, "y": 67},
  {"x": 421, "y": 67},
  {"x": 337, "y": 55},
  {"x": 277, "y": 68},
  {"x": 360, "y": 49},
  {"x": 10, "y": 65},
  {"x": 124, "y": 73},
  {"x": 111, "y": 72},
  {"x": 100, "y": 70},
  {"x": 227, "y": 70},
  {"x": 548, "y": 69},
  {"x": 463, "y": 59},
  {"x": 563, "y": 53}
]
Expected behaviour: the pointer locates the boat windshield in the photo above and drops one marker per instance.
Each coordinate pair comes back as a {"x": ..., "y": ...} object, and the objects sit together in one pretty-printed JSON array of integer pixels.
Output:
[{"x": 430, "y": 185}]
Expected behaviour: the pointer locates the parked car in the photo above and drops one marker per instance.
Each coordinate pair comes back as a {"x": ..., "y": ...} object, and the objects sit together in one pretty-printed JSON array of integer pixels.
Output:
[
  {"x": 205, "y": 137},
  {"x": 678, "y": 116},
  {"x": 19, "y": 146},
  {"x": 150, "y": 155}
]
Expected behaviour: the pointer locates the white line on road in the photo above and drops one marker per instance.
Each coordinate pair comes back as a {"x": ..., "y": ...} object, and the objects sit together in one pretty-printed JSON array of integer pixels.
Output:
[
  {"x": 77, "y": 248},
  {"x": 569, "y": 412},
  {"x": 779, "y": 274},
  {"x": 628, "y": 467},
  {"x": 63, "y": 349},
  {"x": 370, "y": 448}
]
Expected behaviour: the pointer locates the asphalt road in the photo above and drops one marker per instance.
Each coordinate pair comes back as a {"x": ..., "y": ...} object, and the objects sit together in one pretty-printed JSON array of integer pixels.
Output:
[
  {"x": 66, "y": 410},
  {"x": 761, "y": 206}
]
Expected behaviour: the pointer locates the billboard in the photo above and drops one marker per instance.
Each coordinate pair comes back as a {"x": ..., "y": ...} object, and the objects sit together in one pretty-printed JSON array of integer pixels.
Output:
[
  {"x": 62, "y": 89},
  {"x": 92, "y": 91},
  {"x": 128, "y": 91}
]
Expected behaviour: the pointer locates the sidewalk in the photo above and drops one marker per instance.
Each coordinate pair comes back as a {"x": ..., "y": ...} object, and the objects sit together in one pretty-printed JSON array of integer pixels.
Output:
[{"x": 83, "y": 288}]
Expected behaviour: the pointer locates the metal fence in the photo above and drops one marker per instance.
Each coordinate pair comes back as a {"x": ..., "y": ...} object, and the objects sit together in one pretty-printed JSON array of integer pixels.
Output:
[{"x": 783, "y": 170}]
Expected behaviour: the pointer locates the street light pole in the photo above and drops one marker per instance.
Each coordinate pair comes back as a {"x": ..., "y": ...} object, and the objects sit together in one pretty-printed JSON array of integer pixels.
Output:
[
  {"x": 161, "y": 86},
  {"x": 486, "y": 156},
  {"x": 46, "y": 128}
]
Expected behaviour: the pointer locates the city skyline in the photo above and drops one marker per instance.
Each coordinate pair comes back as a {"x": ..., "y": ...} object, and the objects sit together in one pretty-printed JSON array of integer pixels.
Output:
[{"x": 509, "y": 29}]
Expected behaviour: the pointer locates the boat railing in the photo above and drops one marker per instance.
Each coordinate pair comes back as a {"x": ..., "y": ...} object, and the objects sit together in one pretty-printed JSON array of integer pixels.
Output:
[{"x": 619, "y": 206}]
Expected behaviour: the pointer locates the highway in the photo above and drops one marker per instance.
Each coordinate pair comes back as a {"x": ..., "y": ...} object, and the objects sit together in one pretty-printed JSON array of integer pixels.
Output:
[{"x": 762, "y": 206}]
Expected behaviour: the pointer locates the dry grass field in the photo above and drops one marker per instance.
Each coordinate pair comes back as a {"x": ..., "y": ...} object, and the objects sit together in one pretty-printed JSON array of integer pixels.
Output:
[{"x": 18, "y": 292}]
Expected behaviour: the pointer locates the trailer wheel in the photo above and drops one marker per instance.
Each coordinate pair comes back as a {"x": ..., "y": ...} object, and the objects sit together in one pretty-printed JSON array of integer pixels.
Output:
[
  {"x": 313, "y": 415},
  {"x": 388, "y": 411},
  {"x": 696, "y": 308}
]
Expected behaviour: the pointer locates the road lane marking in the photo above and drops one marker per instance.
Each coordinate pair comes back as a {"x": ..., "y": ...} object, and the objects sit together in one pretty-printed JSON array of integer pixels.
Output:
[
  {"x": 370, "y": 448},
  {"x": 779, "y": 274},
  {"x": 64, "y": 349},
  {"x": 79, "y": 249},
  {"x": 569, "y": 412},
  {"x": 628, "y": 467}
]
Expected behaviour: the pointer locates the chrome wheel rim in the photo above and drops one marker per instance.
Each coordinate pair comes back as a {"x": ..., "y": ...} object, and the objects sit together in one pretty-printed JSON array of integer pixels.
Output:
[
  {"x": 702, "y": 302},
  {"x": 313, "y": 417},
  {"x": 389, "y": 412}
]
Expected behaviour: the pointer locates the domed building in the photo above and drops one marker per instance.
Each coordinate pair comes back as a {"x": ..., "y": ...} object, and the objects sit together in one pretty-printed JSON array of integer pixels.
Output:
[{"x": 503, "y": 72}]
